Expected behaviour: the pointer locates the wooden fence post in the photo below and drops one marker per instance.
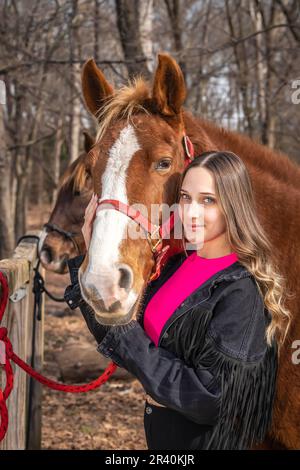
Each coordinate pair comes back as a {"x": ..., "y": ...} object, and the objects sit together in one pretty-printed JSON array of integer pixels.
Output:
[{"x": 24, "y": 403}]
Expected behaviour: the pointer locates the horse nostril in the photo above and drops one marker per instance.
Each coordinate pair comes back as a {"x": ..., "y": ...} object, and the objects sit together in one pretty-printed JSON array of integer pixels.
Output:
[
  {"x": 114, "y": 307},
  {"x": 126, "y": 277}
]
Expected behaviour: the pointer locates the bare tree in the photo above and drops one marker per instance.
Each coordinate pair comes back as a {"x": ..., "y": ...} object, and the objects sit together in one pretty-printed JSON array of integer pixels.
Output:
[
  {"x": 128, "y": 14},
  {"x": 6, "y": 223},
  {"x": 175, "y": 15}
]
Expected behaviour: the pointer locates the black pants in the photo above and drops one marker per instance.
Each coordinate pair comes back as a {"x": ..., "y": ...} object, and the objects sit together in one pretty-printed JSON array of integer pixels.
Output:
[{"x": 168, "y": 429}]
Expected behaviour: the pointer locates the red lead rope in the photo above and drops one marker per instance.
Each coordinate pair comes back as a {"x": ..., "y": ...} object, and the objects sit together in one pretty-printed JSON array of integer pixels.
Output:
[{"x": 9, "y": 355}]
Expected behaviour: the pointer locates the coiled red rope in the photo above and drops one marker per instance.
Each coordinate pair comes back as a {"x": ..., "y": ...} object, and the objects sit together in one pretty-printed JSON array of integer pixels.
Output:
[{"x": 9, "y": 355}]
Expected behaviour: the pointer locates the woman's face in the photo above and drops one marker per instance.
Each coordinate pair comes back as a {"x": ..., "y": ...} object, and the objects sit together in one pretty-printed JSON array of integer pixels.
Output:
[{"x": 200, "y": 213}]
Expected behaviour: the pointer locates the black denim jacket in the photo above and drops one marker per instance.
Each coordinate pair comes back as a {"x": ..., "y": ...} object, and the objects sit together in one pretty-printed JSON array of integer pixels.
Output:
[{"x": 212, "y": 363}]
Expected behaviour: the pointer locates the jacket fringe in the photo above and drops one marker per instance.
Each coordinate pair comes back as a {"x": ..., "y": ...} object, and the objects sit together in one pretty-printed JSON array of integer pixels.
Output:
[{"x": 247, "y": 388}]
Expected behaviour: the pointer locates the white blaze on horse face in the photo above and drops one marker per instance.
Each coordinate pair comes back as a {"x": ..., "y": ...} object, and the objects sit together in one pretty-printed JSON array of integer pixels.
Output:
[{"x": 110, "y": 226}]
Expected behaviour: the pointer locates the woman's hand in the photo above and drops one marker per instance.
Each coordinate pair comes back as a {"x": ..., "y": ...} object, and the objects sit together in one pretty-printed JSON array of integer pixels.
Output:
[{"x": 89, "y": 217}]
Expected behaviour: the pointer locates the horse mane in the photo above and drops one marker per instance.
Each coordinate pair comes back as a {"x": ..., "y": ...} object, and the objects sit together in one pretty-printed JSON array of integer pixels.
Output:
[
  {"x": 127, "y": 100},
  {"x": 75, "y": 175}
]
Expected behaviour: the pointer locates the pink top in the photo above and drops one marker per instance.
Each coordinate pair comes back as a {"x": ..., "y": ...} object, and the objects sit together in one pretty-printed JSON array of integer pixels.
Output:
[{"x": 193, "y": 272}]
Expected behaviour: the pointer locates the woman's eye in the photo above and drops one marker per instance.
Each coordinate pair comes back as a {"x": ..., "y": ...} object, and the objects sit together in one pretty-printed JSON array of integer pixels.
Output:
[
  {"x": 163, "y": 165},
  {"x": 210, "y": 198},
  {"x": 186, "y": 196}
]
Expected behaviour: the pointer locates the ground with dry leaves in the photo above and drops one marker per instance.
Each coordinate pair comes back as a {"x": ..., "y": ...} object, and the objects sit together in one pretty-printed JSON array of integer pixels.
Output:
[{"x": 108, "y": 418}]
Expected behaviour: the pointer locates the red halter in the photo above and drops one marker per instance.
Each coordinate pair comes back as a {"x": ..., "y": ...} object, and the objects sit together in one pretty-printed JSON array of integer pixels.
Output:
[{"x": 154, "y": 233}]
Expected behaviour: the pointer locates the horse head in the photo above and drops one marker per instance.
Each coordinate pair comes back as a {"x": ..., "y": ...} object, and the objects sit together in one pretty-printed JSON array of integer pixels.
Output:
[{"x": 137, "y": 159}]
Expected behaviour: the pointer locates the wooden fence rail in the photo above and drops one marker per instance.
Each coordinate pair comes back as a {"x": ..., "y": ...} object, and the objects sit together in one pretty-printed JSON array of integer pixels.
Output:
[{"x": 26, "y": 336}]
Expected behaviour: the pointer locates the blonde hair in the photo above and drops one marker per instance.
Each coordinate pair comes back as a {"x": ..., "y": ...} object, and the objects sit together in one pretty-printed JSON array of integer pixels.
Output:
[{"x": 247, "y": 236}]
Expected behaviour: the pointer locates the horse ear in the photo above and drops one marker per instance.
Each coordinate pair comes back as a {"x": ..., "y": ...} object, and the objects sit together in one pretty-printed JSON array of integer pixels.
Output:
[
  {"x": 88, "y": 141},
  {"x": 169, "y": 90},
  {"x": 95, "y": 87}
]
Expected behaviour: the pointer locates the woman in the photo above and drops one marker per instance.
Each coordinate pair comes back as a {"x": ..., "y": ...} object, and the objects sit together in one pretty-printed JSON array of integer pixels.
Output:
[{"x": 206, "y": 341}]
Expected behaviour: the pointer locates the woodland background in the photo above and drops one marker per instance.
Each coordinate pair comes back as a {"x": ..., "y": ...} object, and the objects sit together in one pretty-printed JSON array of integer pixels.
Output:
[{"x": 240, "y": 60}]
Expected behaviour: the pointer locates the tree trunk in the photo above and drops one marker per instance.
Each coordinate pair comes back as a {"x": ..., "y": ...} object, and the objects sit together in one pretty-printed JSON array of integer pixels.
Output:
[
  {"x": 145, "y": 26},
  {"x": 265, "y": 68},
  {"x": 260, "y": 65},
  {"x": 22, "y": 164},
  {"x": 21, "y": 204},
  {"x": 57, "y": 153},
  {"x": 128, "y": 12},
  {"x": 6, "y": 225},
  {"x": 240, "y": 55},
  {"x": 75, "y": 54},
  {"x": 175, "y": 16},
  {"x": 75, "y": 116},
  {"x": 96, "y": 29},
  {"x": 36, "y": 176}
]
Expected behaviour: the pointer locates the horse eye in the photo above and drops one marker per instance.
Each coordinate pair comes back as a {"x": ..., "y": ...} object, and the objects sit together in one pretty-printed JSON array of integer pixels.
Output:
[
  {"x": 163, "y": 164},
  {"x": 77, "y": 193}
]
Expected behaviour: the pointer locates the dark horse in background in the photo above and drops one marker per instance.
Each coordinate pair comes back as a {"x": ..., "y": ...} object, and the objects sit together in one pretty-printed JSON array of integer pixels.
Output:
[
  {"x": 141, "y": 130},
  {"x": 61, "y": 237}
]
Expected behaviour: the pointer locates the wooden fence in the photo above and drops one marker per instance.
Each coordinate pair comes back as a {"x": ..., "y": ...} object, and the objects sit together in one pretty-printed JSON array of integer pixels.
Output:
[{"x": 26, "y": 335}]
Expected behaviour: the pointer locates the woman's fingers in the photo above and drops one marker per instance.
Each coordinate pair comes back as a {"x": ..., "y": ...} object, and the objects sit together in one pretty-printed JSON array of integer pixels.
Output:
[
  {"x": 91, "y": 207},
  {"x": 91, "y": 202},
  {"x": 94, "y": 208},
  {"x": 89, "y": 216}
]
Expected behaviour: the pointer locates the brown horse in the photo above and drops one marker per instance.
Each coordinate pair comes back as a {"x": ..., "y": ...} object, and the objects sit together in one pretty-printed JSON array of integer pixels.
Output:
[
  {"x": 55, "y": 247},
  {"x": 138, "y": 158},
  {"x": 61, "y": 237}
]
